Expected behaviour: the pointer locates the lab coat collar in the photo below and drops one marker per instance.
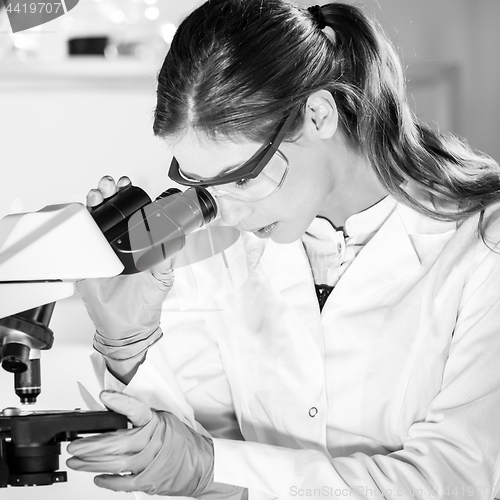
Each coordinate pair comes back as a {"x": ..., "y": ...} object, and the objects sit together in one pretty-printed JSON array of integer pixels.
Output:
[
  {"x": 404, "y": 243},
  {"x": 386, "y": 258},
  {"x": 371, "y": 219}
]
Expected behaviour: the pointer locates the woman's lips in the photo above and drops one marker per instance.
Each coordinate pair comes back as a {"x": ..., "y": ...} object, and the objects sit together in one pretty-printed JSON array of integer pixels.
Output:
[{"x": 266, "y": 231}]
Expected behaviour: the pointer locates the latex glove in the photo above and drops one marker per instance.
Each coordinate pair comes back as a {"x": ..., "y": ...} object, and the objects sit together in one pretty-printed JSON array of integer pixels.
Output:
[
  {"x": 125, "y": 309},
  {"x": 160, "y": 455}
]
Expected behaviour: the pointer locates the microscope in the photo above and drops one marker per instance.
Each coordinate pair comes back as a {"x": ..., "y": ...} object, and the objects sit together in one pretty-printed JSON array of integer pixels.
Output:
[{"x": 42, "y": 254}]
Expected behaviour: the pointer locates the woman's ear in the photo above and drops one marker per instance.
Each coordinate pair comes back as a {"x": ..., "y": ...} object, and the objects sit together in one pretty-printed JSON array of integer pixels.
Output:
[{"x": 321, "y": 117}]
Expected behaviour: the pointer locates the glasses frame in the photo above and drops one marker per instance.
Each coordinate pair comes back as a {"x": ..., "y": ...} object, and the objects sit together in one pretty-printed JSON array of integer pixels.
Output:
[
  {"x": 249, "y": 170},
  {"x": 220, "y": 192}
]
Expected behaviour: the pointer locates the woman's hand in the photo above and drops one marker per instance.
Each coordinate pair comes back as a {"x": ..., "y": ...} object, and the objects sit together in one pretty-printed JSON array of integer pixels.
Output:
[
  {"x": 125, "y": 309},
  {"x": 160, "y": 455},
  {"x": 106, "y": 188}
]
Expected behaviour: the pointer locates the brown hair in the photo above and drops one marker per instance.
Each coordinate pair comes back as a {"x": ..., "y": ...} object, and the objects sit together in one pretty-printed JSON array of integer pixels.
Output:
[{"x": 237, "y": 67}]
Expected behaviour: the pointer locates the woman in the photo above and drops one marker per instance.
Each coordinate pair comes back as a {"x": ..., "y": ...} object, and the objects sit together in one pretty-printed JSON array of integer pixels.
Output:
[{"x": 360, "y": 355}]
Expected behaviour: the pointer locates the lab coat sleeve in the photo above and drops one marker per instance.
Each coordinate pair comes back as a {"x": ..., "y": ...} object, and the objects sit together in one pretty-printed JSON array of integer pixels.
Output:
[
  {"x": 453, "y": 453},
  {"x": 183, "y": 372}
]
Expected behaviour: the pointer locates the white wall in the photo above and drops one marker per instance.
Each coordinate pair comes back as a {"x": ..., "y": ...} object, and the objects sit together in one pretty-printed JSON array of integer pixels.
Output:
[{"x": 462, "y": 32}]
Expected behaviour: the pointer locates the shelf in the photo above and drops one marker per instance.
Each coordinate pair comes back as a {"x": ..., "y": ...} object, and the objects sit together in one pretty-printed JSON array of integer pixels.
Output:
[{"x": 78, "y": 72}]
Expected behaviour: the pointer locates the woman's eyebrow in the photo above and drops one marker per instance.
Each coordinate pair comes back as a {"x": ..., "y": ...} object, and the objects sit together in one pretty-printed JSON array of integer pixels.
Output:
[
  {"x": 227, "y": 170},
  {"x": 230, "y": 169}
]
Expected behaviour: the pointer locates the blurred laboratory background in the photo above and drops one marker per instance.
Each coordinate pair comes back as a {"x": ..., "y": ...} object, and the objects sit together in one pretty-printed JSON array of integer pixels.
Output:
[{"x": 77, "y": 97}]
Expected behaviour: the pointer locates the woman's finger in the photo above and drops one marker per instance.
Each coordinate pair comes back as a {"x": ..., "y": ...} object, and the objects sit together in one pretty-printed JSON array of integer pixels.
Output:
[
  {"x": 107, "y": 186},
  {"x": 113, "y": 443},
  {"x": 116, "y": 482},
  {"x": 137, "y": 412},
  {"x": 117, "y": 464},
  {"x": 163, "y": 275},
  {"x": 94, "y": 198},
  {"x": 123, "y": 182}
]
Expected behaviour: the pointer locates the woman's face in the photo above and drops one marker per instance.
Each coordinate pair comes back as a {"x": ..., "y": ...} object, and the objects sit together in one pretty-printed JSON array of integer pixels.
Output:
[{"x": 285, "y": 214}]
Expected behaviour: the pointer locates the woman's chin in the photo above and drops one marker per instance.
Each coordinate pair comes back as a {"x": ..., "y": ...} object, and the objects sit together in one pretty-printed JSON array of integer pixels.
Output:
[{"x": 284, "y": 237}]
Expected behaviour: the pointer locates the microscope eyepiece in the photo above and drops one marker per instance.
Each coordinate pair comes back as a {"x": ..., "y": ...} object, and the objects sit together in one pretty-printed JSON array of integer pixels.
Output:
[{"x": 142, "y": 232}]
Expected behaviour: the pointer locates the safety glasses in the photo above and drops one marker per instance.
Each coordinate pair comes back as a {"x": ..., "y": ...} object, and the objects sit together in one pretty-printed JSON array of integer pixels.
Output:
[{"x": 256, "y": 179}]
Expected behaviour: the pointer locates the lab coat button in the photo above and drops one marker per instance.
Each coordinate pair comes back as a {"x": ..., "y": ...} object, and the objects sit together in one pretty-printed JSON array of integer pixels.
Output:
[
  {"x": 339, "y": 247},
  {"x": 313, "y": 411}
]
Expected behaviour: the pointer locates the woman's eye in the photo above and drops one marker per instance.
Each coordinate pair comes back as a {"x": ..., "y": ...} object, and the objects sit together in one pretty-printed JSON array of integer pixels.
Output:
[{"x": 242, "y": 182}]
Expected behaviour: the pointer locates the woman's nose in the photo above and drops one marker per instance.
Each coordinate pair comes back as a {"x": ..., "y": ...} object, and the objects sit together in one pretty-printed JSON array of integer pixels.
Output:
[{"x": 233, "y": 211}]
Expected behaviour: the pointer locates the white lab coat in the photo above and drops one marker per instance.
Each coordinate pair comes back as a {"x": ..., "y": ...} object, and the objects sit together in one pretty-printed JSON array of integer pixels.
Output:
[{"x": 392, "y": 391}]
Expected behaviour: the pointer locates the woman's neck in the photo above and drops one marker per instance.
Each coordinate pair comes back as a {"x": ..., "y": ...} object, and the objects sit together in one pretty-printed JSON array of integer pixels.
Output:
[{"x": 355, "y": 188}]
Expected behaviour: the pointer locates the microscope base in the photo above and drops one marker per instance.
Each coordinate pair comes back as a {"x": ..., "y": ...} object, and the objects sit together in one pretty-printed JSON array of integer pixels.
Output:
[{"x": 30, "y": 442}]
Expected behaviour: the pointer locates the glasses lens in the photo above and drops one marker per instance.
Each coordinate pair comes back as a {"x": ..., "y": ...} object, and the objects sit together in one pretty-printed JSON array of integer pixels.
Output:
[{"x": 269, "y": 180}]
